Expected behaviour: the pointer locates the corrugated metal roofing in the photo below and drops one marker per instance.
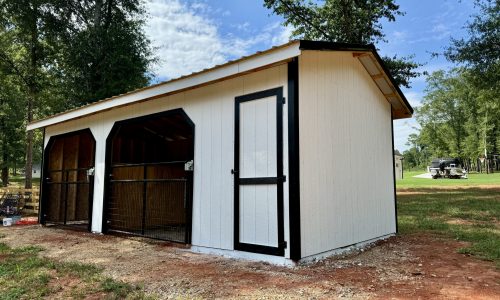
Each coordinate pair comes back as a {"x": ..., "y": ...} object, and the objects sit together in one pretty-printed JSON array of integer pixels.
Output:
[{"x": 303, "y": 45}]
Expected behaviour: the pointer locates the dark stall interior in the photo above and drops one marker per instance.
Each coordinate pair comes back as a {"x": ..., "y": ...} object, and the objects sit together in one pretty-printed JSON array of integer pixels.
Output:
[
  {"x": 149, "y": 188},
  {"x": 68, "y": 180}
]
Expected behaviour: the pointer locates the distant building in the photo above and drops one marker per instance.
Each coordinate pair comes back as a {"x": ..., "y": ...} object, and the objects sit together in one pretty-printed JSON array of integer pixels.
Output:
[
  {"x": 36, "y": 170},
  {"x": 398, "y": 164}
]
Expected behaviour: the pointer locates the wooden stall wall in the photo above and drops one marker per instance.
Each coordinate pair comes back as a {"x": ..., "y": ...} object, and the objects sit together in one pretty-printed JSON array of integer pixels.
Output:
[{"x": 67, "y": 155}]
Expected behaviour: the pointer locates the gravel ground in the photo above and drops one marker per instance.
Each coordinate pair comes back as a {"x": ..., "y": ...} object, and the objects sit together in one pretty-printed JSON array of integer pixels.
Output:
[{"x": 411, "y": 266}]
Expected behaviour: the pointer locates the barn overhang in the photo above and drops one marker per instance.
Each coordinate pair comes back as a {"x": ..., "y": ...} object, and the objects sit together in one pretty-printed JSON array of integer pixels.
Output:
[{"x": 366, "y": 54}]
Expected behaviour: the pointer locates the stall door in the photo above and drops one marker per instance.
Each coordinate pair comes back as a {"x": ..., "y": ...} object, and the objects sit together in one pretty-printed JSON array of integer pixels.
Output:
[{"x": 258, "y": 172}]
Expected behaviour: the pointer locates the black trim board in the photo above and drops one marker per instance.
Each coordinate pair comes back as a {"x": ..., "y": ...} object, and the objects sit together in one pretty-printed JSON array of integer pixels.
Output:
[
  {"x": 394, "y": 173},
  {"x": 260, "y": 180},
  {"x": 332, "y": 46},
  {"x": 293, "y": 160},
  {"x": 42, "y": 173},
  {"x": 278, "y": 180}
]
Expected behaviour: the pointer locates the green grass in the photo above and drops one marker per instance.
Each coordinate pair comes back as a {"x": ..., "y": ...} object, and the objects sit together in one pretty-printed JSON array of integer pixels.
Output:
[
  {"x": 474, "y": 180},
  {"x": 24, "y": 274},
  {"x": 19, "y": 181},
  {"x": 470, "y": 214}
]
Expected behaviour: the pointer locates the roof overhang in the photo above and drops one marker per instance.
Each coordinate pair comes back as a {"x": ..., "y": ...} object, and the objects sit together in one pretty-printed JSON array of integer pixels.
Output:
[{"x": 366, "y": 54}]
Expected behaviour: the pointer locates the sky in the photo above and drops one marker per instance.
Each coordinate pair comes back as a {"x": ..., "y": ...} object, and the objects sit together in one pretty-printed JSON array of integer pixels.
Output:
[{"x": 191, "y": 35}]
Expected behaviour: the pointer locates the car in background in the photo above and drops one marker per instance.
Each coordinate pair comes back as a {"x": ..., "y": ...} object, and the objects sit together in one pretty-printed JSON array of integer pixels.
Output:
[{"x": 447, "y": 168}]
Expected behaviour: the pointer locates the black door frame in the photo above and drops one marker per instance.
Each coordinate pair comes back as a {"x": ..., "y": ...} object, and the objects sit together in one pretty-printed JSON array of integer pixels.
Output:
[
  {"x": 45, "y": 171},
  {"x": 278, "y": 180},
  {"x": 107, "y": 168}
]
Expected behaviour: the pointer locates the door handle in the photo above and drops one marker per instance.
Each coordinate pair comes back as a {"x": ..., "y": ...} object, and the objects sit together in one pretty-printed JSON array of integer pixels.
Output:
[{"x": 233, "y": 171}]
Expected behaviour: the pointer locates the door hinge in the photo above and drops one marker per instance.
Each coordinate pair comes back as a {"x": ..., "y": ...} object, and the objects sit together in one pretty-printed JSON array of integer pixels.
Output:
[
  {"x": 283, "y": 100},
  {"x": 284, "y": 245}
]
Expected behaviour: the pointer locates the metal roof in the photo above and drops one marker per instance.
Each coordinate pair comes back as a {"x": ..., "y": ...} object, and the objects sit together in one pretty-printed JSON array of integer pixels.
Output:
[{"x": 366, "y": 54}]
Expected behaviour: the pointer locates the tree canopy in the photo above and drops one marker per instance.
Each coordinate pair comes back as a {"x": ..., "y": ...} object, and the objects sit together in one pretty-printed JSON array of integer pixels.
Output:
[
  {"x": 105, "y": 50},
  {"x": 460, "y": 113},
  {"x": 347, "y": 21},
  {"x": 58, "y": 54}
]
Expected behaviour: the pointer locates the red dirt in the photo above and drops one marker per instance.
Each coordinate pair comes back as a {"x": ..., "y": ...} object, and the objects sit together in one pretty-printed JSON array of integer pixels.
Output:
[{"x": 412, "y": 266}]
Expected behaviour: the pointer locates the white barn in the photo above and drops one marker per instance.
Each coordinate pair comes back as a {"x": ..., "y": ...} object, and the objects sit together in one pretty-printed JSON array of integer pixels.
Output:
[{"x": 269, "y": 157}]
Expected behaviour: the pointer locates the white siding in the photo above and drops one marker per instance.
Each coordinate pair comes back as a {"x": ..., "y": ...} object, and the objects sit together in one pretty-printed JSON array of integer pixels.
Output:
[
  {"x": 346, "y": 174},
  {"x": 211, "y": 108}
]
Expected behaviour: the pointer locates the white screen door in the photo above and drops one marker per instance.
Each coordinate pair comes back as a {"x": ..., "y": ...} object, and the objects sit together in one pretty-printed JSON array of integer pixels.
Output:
[{"x": 258, "y": 172}]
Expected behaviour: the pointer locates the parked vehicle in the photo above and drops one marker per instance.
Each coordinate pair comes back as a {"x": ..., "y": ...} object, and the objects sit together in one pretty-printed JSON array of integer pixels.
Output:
[{"x": 447, "y": 168}]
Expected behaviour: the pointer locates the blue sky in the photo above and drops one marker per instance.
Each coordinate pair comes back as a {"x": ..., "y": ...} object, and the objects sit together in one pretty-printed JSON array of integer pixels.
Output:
[{"x": 191, "y": 35}]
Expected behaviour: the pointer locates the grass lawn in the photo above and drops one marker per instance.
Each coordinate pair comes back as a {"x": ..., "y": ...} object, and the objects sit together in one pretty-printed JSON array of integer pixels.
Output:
[
  {"x": 474, "y": 180},
  {"x": 464, "y": 209},
  {"x": 26, "y": 275},
  {"x": 19, "y": 181}
]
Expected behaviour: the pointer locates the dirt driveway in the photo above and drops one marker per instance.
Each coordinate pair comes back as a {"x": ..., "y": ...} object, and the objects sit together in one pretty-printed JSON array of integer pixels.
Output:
[{"x": 412, "y": 266}]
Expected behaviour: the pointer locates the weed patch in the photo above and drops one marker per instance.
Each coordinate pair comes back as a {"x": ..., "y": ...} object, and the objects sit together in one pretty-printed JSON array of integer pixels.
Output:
[{"x": 24, "y": 274}]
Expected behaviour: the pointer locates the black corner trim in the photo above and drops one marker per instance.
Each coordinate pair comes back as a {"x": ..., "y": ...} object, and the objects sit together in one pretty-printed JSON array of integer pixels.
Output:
[
  {"x": 293, "y": 159},
  {"x": 394, "y": 173},
  {"x": 41, "y": 217},
  {"x": 332, "y": 46}
]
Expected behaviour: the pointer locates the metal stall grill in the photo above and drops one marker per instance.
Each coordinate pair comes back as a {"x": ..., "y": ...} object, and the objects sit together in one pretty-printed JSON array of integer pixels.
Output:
[
  {"x": 147, "y": 199},
  {"x": 69, "y": 197}
]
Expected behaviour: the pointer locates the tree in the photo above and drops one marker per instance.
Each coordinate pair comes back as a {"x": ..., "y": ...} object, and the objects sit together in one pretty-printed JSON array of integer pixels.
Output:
[
  {"x": 457, "y": 118},
  {"x": 11, "y": 124},
  {"x": 442, "y": 112},
  {"x": 347, "y": 21},
  {"x": 417, "y": 155},
  {"x": 105, "y": 51},
  {"x": 67, "y": 53},
  {"x": 480, "y": 51},
  {"x": 25, "y": 55}
]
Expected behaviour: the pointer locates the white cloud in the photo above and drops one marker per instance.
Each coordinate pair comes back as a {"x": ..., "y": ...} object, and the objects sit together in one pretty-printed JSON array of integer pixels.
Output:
[
  {"x": 187, "y": 40},
  {"x": 283, "y": 36},
  {"x": 414, "y": 98},
  {"x": 398, "y": 36},
  {"x": 402, "y": 129}
]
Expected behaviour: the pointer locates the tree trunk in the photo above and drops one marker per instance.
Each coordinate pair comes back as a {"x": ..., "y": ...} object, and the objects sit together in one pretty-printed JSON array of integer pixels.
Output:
[
  {"x": 5, "y": 169},
  {"x": 29, "y": 160},
  {"x": 32, "y": 88}
]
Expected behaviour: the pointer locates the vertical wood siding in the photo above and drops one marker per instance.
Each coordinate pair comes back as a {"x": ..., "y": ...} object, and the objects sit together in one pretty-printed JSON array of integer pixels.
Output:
[
  {"x": 211, "y": 108},
  {"x": 346, "y": 172}
]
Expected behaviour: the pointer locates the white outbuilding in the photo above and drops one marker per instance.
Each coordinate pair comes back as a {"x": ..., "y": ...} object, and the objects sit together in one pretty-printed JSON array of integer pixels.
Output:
[
  {"x": 283, "y": 155},
  {"x": 398, "y": 165}
]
